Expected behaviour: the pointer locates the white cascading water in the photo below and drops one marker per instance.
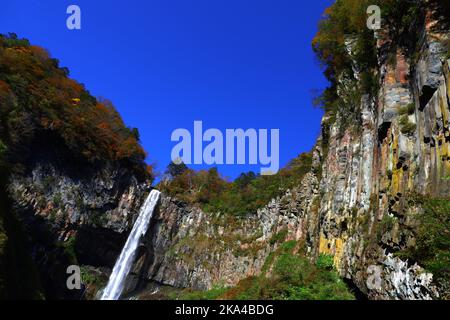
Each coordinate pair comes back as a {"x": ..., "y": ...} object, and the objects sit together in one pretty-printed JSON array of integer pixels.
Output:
[{"x": 125, "y": 261}]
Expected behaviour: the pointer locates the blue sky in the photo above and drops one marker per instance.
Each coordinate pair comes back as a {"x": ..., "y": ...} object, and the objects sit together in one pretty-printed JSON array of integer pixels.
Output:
[{"x": 165, "y": 63}]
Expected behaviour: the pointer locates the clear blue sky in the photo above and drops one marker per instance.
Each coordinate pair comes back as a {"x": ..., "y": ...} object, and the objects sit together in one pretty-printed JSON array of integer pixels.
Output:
[{"x": 165, "y": 63}]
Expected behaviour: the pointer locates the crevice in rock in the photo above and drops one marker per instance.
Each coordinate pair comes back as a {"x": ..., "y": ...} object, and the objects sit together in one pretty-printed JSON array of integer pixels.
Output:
[
  {"x": 425, "y": 96},
  {"x": 98, "y": 247},
  {"x": 383, "y": 130},
  {"x": 359, "y": 295}
]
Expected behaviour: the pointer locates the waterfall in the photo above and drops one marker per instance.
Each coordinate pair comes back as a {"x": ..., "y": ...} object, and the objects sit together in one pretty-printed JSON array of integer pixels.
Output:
[{"x": 125, "y": 261}]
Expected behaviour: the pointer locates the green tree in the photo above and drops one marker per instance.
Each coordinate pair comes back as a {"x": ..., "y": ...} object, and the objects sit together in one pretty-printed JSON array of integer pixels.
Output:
[
  {"x": 245, "y": 179},
  {"x": 176, "y": 169}
]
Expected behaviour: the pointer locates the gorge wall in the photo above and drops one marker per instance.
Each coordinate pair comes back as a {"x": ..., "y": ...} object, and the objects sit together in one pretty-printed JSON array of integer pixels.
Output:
[{"x": 357, "y": 203}]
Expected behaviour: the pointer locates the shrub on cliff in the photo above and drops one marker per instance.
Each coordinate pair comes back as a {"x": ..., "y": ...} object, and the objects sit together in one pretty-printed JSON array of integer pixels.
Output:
[{"x": 406, "y": 126}]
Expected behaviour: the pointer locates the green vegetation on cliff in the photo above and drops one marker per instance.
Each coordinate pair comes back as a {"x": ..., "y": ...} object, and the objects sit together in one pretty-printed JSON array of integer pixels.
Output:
[
  {"x": 343, "y": 27},
  {"x": 431, "y": 249},
  {"x": 242, "y": 196},
  {"x": 287, "y": 275}
]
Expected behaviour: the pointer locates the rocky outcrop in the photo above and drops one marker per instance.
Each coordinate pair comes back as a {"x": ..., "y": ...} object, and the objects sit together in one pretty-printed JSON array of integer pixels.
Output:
[
  {"x": 73, "y": 200},
  {"x": 74, "y": 216},
  {"x": 400, "y": 149}
]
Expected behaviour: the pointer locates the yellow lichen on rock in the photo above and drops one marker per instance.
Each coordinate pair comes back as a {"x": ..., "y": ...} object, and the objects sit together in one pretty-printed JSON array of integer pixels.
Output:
[
  {"x": 333, "y": 247},
  {"x": 338, "y": 252},
  {"x": 323, "y": 245}
]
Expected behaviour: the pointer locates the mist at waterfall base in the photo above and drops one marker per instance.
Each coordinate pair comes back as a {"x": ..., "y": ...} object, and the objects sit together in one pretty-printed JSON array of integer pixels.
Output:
[{"x": 123, "y": 265}]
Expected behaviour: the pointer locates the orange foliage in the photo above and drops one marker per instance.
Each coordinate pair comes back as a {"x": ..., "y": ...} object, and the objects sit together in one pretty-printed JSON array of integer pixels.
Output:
[
  {"x": 40, "y": 53},
  {"x": 44, "y": 93},
  {"x": 4, "y": 87},
  {"x": 4, "y": 92}
]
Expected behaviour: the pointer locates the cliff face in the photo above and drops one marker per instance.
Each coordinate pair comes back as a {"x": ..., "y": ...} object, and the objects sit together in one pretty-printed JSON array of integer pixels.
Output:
[
  {"x": 190, "y": 248},
  {"x": 357, "y": 203},
  {"x": 369, "y": 176},
  {"x": 71, "y": 172},
  {"x": 74, "y": 216}
]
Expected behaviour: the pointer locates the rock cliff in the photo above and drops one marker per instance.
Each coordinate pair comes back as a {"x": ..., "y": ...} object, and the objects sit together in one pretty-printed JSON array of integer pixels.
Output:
[
  {"x": 75, "y": 217},
  {"x": 357, "y": 203}
]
